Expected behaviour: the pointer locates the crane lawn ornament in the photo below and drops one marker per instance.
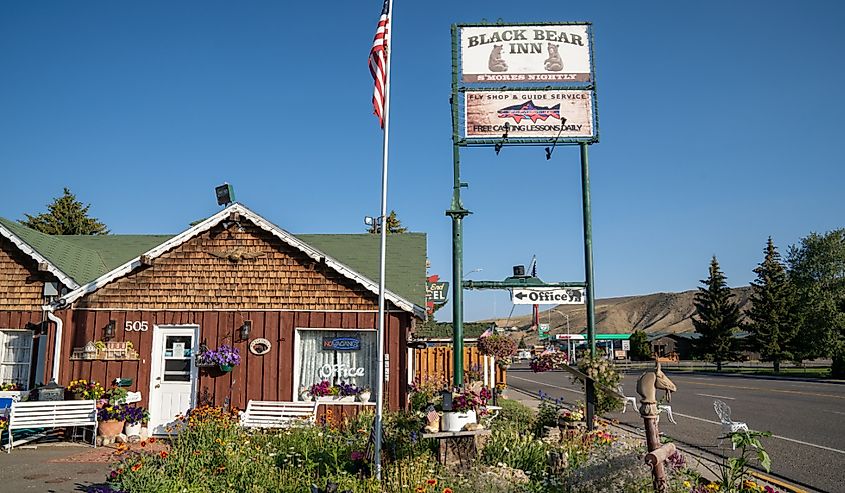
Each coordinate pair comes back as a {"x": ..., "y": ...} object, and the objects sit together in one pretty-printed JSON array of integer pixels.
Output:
[{"x": 647, "y": 386}]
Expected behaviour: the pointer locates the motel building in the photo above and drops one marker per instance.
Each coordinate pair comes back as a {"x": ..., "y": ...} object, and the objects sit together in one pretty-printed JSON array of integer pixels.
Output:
[{"x": 139, "y": 308}]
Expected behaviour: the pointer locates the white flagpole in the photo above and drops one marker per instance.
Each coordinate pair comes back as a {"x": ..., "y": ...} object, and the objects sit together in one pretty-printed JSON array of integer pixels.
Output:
[{"x": 383, "y": 230}]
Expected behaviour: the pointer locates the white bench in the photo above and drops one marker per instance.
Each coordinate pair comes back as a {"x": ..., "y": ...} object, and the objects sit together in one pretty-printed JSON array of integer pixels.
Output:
[
  {"x": 275, "y": 414},
  {"x": 51, "y": 414}
]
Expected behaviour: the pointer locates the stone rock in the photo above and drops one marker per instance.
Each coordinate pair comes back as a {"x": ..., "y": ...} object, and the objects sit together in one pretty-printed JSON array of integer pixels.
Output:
[
  {"x": 134, "y": 439},
  {"x": 121, "y": 438}
]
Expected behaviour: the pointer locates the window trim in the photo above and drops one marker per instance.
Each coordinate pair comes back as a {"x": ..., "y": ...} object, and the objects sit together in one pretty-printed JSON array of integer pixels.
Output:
[
  {"x": 296, "y": 350},
  {"x": 3, "y": 332}
]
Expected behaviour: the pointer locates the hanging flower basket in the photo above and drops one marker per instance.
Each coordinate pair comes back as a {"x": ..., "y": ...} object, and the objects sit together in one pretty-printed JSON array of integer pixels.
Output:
[{"x": 225, "y": 358}]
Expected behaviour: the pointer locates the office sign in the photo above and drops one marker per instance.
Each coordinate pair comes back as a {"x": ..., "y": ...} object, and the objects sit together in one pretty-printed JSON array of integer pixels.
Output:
[
  {"x": 526, "y": 53},
  {"x": 548, "y": 296},
  {"x": 559, "y": 114}
]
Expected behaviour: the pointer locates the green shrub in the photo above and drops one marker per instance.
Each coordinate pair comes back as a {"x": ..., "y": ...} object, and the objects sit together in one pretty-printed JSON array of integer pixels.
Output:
[
  {"x": 513, "y": 414},
  {"x": 516, "y": 450}
]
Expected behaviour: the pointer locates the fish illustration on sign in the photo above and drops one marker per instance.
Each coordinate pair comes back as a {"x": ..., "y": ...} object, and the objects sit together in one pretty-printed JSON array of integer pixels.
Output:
[{"x": 529, "y": 110}]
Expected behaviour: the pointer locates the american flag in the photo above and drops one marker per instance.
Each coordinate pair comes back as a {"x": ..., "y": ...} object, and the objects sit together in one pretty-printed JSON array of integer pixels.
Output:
[
  {"x": 487, "y": 333},
  {"x": 432, "y": 416},
  {"x": 378, "y": 63}
]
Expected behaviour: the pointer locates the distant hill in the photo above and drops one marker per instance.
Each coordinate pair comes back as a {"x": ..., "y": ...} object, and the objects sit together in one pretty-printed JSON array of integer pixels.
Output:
[{"x": 658, "y": 312}]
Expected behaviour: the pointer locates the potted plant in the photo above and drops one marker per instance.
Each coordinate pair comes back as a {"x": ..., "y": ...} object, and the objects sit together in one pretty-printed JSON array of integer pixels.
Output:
[
  {"x": 499, "y": 346},
  {"x": 319, "y": 391},
  {"x": 225, "y": 358},
  {"x": 304, "y": 393},
  {"x": 462, "y": 411},
  {"x": 135, "y": 418},
  {"x": 111, "y": 420},
  {"x": 364, "y": 394},
  {"x": 81, "y": 390}
]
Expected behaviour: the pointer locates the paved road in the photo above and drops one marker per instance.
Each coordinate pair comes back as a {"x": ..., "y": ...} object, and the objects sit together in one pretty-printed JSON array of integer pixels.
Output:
[{"x": 807, "y": 419}]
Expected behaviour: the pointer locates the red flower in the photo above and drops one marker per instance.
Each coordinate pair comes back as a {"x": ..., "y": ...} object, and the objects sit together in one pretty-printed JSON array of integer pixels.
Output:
[
  {"x": 136, "y": 467},
  {"x": 163, "y": 454},
  {"x": 152, "y": 439},
  {"x": 143, "y": 443}
]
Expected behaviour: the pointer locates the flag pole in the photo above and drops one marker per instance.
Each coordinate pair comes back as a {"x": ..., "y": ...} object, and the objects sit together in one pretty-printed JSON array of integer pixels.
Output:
[{"x": 383, "y": 230}]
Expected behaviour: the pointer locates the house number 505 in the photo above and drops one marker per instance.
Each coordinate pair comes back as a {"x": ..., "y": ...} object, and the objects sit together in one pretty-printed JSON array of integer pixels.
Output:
[{"x": 136, "y": 326}]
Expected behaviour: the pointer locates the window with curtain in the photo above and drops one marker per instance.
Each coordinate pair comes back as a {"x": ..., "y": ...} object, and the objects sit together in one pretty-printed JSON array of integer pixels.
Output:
[
  {"x": 321, "y": 356},
  {"x": 15, "y": 356}
]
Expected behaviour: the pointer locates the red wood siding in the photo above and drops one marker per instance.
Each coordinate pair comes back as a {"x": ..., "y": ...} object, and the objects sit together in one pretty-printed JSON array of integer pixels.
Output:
[
  {"x": 21, "y": 285},
  {"x": 267, "y": 377}
]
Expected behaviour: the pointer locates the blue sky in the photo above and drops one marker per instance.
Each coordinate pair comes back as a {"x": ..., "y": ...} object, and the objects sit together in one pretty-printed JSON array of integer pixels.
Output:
[{"x": 720, "y": 125}]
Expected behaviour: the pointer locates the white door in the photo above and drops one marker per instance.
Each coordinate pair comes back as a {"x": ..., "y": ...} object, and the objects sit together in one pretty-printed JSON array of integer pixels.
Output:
[{"x": 174, "y": 375}]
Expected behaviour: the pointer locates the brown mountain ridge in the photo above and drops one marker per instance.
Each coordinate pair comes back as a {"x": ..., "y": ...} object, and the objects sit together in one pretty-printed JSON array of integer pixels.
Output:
[{"x": 653, "y": 313}]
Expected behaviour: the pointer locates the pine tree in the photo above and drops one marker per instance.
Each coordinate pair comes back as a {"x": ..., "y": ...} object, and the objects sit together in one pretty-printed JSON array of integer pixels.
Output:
[
  {"x": 394, "y": 225},
  {"x": 772, "y": 327},
  {"x": 716, "y": 319},
  {"x": 66, "y": 216},
  {"x": 640, "y": 348}
]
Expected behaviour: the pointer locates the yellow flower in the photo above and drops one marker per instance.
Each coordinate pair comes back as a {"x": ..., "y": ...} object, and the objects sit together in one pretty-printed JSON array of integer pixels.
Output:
[
  {"x": 713, "y": 487},
  {"x": 687, "y": 484}
]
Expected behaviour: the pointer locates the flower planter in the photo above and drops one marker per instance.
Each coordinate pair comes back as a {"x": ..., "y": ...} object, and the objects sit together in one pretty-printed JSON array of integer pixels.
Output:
[
  {"x": 110, "y": 428},
  {"x": 225, "y": 368},
  {"x": 336, "y": 398},
  {"x": 455, "y": 421},
  {"x": 364, "y": 397},
  {"x": 133, "y": 429}
]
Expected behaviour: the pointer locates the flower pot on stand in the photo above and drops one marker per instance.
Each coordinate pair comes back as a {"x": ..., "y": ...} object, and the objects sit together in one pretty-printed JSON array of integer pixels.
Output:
[
  {"x": 364, "y": 397},
  {"x": 133, "y": 429},
  {"x": 110, "y": 428},
  {"x": 456, "y": 420}
]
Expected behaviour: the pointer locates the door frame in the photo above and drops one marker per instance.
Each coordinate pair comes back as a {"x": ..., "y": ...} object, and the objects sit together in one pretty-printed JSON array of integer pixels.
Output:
[{"x": 159, "y": 331}]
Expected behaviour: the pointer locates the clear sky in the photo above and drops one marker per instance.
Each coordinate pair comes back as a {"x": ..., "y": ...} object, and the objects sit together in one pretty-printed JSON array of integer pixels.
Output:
[{"x": 721, "y": 124}]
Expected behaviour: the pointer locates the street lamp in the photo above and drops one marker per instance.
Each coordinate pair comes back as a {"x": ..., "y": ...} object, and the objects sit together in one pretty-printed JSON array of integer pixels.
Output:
[{"x": 473, "y": 271}]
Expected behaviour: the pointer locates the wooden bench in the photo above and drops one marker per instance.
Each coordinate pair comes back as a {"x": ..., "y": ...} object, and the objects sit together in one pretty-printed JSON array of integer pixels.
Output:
[
  {"x": 275, "y": 414},
  {"x": 51, "y": 414}
]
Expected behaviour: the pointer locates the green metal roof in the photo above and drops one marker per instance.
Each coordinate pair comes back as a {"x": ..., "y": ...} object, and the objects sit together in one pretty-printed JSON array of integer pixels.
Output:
[
  {"x": 405, "y": 263},
  {"x": 87, "y": 257}
]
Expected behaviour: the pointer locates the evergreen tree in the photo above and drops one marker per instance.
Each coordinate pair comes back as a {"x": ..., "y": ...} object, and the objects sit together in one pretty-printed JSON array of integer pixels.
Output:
[
  {"x": 394, "y": 225},
  {"x": 66, "y": 216},
  {"x": 772, "y": 326},
  {"x": 716, "y": 319},
  {"x": 522, "y": 344},
  {"x": 640, "y": 348}
]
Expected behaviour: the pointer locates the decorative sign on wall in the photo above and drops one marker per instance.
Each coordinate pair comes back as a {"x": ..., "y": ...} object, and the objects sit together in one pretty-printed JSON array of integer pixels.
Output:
[
  {"x": 342, "y": 370},
  {"x": 437, "y": 292},
  {"x": 551, "y": 53},
  {"x": 341, "y": 343},
  {"x": 259, "y": 346}
]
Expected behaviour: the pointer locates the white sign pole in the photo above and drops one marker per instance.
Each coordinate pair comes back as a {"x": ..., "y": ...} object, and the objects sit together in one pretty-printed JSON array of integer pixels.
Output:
[{"x": 377, "y": 425}]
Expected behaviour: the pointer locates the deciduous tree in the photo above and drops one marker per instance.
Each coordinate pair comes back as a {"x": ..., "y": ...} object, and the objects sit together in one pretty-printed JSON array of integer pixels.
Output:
[
  {"x": 771, "y": 322},
  {"x": 716, "y": 318},
  {"x": 817, "y": 271},
  {"x": 66, "y": 216},
  {"x": 640, "y": 348}
]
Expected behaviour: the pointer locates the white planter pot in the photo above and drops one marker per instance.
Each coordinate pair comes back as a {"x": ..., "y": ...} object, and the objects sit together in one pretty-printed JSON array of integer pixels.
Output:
[
  {"x": 455, "y": 421},
  {"x": 133, "y": 430},
  {"x": 336, "y": 399},
  {"x": 364, "y": 397}
]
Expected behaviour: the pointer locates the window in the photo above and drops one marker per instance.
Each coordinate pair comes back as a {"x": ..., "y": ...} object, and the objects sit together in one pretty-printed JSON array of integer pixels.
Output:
[
  {"x": 347, "y": 356},
  {"x": 15, "y": 356}
]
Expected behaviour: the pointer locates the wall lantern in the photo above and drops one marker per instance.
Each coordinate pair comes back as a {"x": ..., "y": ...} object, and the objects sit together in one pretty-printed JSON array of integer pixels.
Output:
[
  {"x": 518, "y": 271},
  {"x": 108, "y": 331},
  {"x": 245, "y": 330}
]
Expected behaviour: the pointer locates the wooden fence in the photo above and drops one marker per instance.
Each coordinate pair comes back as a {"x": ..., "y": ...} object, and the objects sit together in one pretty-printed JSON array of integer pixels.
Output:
[{"x": 436, "y": 363}]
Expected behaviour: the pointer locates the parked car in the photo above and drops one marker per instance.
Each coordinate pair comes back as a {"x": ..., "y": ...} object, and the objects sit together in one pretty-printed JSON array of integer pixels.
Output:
[{"x": 523, "y": 354}]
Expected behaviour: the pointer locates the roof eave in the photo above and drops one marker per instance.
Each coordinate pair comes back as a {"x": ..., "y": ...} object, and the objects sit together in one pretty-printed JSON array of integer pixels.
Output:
[
  {"x": 33, "y": 254},
  {"x": 262, "y": 223}
]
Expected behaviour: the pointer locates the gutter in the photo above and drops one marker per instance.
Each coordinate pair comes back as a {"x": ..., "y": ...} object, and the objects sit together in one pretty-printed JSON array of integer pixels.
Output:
[{"x": 57, "y": 346}]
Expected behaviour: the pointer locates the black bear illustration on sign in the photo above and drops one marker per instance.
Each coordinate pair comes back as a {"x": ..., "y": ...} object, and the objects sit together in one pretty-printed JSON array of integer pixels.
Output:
[
  {"x": 554, "y": 63},
  {"x": 495, "y": 63}
]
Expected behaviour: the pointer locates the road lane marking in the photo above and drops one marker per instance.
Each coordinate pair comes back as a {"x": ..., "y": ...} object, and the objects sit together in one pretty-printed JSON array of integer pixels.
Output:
[
  {"x": 544, "y": 384},
  {"x": 834, "y": 412},
  {"x": 830, "y": 449},
  {"x": 717, "y": 396},
  {"x": 694, "y": 382}
]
